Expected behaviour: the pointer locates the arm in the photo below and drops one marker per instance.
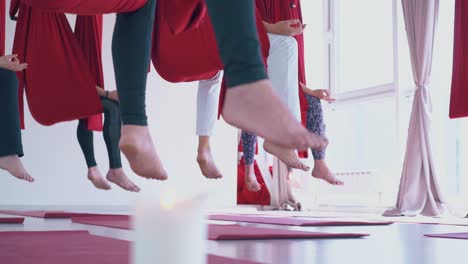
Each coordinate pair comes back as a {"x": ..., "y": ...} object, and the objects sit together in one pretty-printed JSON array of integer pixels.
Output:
[
  {"x": 321, "y": 94},
  {"x": 113, "y": 95},
  {"x": 290, "y": 27},
  {"x": 11, "y": 62}
]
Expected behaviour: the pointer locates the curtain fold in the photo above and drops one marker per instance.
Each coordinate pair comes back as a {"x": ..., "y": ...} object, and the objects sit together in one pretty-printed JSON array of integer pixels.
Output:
[{"x": 419, "y": 191}]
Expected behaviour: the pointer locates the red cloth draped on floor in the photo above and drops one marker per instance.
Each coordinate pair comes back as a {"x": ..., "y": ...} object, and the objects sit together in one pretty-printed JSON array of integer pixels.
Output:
[
  {"x": 273, "y": 11},
  {"x": 2, "y": 27},
  {"x": 459, "y": 95},
  {"x": 245, "y": 196},
  {"x": 88, "y": 32}
]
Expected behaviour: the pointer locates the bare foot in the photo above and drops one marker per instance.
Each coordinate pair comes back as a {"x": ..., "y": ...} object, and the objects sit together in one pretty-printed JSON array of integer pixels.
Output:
[
  {"x": 118, "y": 176},
  {"x": 14, "y": 166},
  {"x": 322, "y": 172},
  {"x": 207, "y": 165},
  {"x": 254, "y": 107},
  {"x": 288, "y": 156},
  {"x": 95, "y": 176},
  {"x": 137, "y": 145},
  {"x": 251, "y": 180}
]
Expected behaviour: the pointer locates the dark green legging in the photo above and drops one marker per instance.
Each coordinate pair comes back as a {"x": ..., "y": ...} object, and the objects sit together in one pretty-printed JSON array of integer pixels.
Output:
[
  {"x": 235, "y": 28},
  {"x": 131, "y": 45},
  {"x": 236, "y": 33},
  {"x": 10, "y": 139},
  {"x": 111, "y": 133}
]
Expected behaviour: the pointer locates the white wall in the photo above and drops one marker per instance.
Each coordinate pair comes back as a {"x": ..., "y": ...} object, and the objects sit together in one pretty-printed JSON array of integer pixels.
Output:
[{"x": 54, "y": 158}]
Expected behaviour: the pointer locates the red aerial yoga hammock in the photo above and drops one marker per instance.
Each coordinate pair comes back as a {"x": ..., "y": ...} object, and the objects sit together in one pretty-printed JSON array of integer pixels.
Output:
[
  {"x": 459, "y": 94},
  {"x": 273, "y": 11},
  {"x": 59, "y": 84},
  {"x": 88, "y": 32},
  {"x": 190, "y": 55},
  {"x": 2, "y": 27},
  {"x": 63, "y": 73}
]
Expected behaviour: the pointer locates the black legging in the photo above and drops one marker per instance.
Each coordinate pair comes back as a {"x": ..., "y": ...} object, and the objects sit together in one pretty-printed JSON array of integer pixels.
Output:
[
  {"x": 237, "y": 37},
  {"x": 131, "y": 46},
  {"x": 10, "y": 140},
  {"x": 111, "y": 133}
]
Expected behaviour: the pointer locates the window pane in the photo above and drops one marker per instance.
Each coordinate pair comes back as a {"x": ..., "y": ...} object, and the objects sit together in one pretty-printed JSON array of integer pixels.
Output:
[
  {"x": 364, "y": 44},
  {"x": 362, "y": 139},
  {"x": 314, "y": 45}
]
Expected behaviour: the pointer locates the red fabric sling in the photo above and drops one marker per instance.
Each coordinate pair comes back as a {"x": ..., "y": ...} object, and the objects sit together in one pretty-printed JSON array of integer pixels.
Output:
[
  {"x": 88, "y": 32},
  {"x": 189, "y": 55},
  {"x": 459, "y": 93},
  {"x": 2, "y": 27},
  {"x": 63, "y": 63},
  {"x": 58, "y": 85}
]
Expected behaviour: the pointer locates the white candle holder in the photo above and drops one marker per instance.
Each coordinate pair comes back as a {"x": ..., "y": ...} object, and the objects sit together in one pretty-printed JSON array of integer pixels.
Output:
[{"x": 168, "y": 231}]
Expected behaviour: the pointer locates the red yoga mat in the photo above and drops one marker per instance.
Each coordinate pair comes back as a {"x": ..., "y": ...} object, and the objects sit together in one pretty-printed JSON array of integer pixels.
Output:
[
  {"x": 292, "y": 221},
  {"x": 47, "y": 214},
  {"x": 223, "y": 232},
  {"x": 449, "y": 235},
  {"x": 71, "y": 247},
  {"x": 11, "y": 220}
]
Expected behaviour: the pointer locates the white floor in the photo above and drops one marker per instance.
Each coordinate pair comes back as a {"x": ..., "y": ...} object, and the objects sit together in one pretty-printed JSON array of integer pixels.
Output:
[{"x": 398, "y": 243}]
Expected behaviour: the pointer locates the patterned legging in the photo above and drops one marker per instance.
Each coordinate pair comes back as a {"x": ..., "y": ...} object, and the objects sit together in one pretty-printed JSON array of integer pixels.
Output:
[{"x": 314, "y": 124}]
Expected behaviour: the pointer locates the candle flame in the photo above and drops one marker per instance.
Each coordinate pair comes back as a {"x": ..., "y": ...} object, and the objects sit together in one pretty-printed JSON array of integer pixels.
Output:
[{"x": 168, "y": 199}]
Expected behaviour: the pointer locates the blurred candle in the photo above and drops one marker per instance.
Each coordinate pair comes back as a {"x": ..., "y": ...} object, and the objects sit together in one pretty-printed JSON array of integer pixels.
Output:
[{"x": 168, "y": 231}]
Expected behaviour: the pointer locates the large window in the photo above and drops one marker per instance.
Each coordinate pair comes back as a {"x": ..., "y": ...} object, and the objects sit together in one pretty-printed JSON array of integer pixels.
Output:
[{"x": 366, "y": 64}]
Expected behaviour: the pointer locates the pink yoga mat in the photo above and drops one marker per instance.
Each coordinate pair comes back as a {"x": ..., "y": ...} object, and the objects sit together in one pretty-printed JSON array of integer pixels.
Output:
[
  {"x": 223, "y": 232},
  {"x": 11, "y": 220},
  {"x": 47, "y": 214},
  {"x": 71, "y": 247},
  {"x": 292, "y": 221},
  {"x": 450, "y": 235},
  {"x": 114, "y": 221},
  {"x": 237, "y": 232}
]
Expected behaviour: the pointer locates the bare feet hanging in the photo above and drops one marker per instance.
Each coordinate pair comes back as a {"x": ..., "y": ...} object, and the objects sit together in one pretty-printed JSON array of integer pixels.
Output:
[
  {"x": 250, "y": 179},
  {"x": 205, "y": 159},
  {"x": 207, "y": 165},
  {"x": 254, "y": 107},
  {"x": 95, "y": 176},
  {"x": 137, "y": 146},
  {"x": 288, "y": 156},
  {"x": 14, "y": 166},
  {"x": 322, "y": 172},
  {"x": 118, "y": 177}
]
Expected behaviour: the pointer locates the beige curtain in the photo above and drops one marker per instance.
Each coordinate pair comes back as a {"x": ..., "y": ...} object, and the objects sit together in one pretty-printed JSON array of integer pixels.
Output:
[{"x": 419, "y": 191}]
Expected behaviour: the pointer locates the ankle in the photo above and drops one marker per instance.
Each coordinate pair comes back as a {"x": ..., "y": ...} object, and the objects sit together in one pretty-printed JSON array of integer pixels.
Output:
[
  {"x": 204, "y": 144},
  {"x": 93, "y": 170}
]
